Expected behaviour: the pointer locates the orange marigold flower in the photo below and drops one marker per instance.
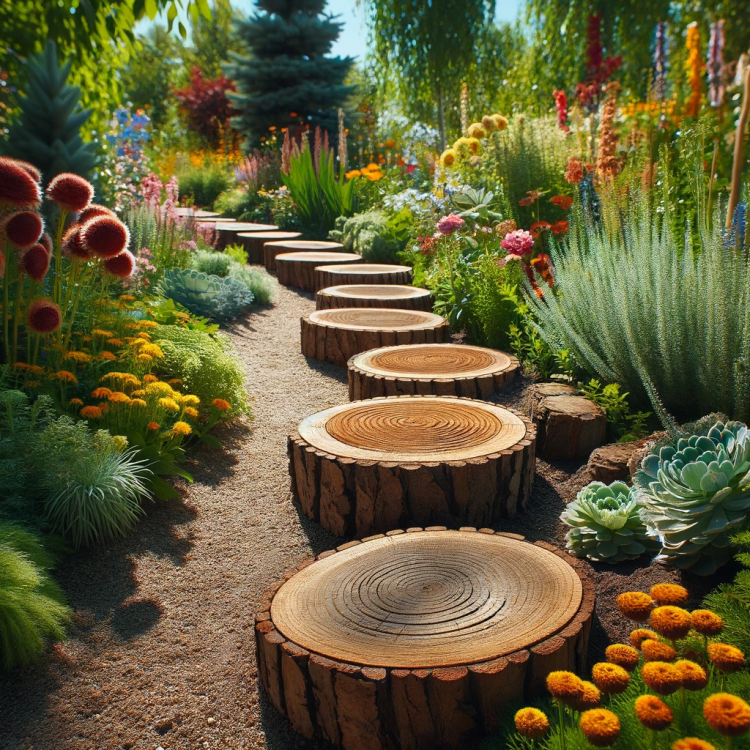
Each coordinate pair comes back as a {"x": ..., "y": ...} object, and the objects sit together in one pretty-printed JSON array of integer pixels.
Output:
[
  {"x": 150, "y": 379},
  {"x": 692, "y": 743},
  {"x": 661, "y": 677},
  {"x": 65, "y": 376},
  {"x": 635, "y": 605},
  {"x": 653, "y": 712},
  {"x": 221, "y": 405},
  {"x": 600, "y": 727},
  {"x": 641, "y": 634},
  {"x": 101, "y": 392},
  {"x": 531, "y": 723},
  {"x": 143, "y": 335},
  {"x": 181, "y": 428},
  {"x": 726, "y": 658},
  {"x": 191, "y": 412},
  {"x": 727, "y": 714},
  {"x": 694, "y": 677},
  {"x": 668, "y": 593},
  {"x": 137, "y": 402},
  {"x": 145, "y": 358},
  {"x": 624, "y": 656},
  {"x": 610, "y": 678},
  {"x": 147, "y": 324},
  {"x": 127, "y": 298},
  {"x": 75, "y": 402},
  {"x": 119, "y": 398},
  {"x": 657, "y": 651},
  {"x": 153, "y": 425},
  {"x": 91, "y": 412},
  {"x": 138, "y": 394},
  {"x": 706, "y": 622},
  {"x": 108, "y": 356},
  {"x": 174, "y": 381},
  {"x": 591, "y": 697},
  {"x": 168, "y": 403},
  {"x": 565, "y": 686},
  {"x": 114, "y": 342},
  {"x": 671, "y": 622}
]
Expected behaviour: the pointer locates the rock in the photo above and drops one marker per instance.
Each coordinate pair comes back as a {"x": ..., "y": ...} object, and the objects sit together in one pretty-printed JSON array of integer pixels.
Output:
[
  {"x": 540, "y": 391},
  {"x": 568, "y": 426},
  {"x": 210, "y": 720},
  {"x": 644, "y": 448}
]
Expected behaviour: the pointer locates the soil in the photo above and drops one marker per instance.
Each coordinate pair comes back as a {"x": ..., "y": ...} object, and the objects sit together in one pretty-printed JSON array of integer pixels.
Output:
[{"x": 162, "y": 652}]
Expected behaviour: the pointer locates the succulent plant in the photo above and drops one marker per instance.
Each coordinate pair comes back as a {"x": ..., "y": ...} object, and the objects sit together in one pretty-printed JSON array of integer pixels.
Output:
[
  {"x": 606, "y": 524},
  {"x": 205, "y": 295},
  {"x": 694, "y": 493}
]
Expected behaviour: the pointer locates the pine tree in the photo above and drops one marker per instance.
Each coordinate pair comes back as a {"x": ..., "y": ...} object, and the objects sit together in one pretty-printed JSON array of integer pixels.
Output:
[
  {"x": 47, "y": 130},
  {"x": 284, "y": 80}
]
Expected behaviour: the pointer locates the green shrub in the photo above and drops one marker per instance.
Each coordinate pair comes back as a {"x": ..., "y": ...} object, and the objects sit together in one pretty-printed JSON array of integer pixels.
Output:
[
  {"x": 225, "y": 265},
  {"x": 374, "y": 235},
  {"x": 245, "y": 205},
  {"x": 216, "y": 264},
  {"x": 238, "y": 253},
  {"x": 260, "y": 284},
  {"x": 32, "y": 608},
  {"x": 209, "y": 296},
  {"x": 203, "y": 184},
  {"x": 207, "y": 365}
]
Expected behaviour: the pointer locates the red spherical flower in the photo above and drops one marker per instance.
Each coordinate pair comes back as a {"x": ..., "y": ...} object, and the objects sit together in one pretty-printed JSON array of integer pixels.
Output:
[
  {"x": 105, "y": 236},
  {"x": 35, "y": 262},
  {"x": 73, "y": 245},
  {"x": 121, "y": 265},
  {"x": 29, "y": 168},
  {"x": 93, "y": 210},
  {"x": 43, "y": 316},
  {"x": 563, "y": 201},
  {"x": 24, "y": 228},
  {"x": 560, "y": 227},
  {"x": 17, "y": 187},
  {"x": 70, "y": 191},
  {"x": 538, "y": 227},
  {"x": 46, "y": 240}
]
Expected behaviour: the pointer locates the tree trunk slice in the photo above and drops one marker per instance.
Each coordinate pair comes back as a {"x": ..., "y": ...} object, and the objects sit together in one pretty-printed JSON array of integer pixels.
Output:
[
  {"x": 254, "y": 240},
  {"x": 189, "y": 212},
  {"x": 418, "y": 640},
  {"x": 569, "y": 427},
  {"x": 272, "y": 249},
  {"x": 336, "y": 335},
  {"x": 362, "y": 273},
  {"x": 298, "y": 269},
  {"x": 369, "y": 466},
  {"x": 228, "y": 231},
  {"x": 436, "y": 369},
  {"x": 393, "y": 296}
]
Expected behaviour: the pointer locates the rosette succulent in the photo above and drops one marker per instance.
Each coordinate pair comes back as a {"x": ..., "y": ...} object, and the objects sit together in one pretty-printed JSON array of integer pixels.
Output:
[
  {"x": 606, "y": 524},
  {"x": 206, "y": 295},
  {"x": 694, "y": 493}
]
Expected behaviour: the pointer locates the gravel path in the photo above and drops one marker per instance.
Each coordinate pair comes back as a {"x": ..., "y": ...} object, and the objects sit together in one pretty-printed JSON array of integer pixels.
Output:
[{"x": 163, "y": 655}]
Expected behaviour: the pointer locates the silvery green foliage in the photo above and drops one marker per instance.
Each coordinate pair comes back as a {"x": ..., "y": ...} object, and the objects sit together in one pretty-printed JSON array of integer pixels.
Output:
[
  {"x": 606, "y": 524},
  {"x": 205, "y": 295},
  {"x": 694, "y": 493},
  {"x": 665, "y": 318}
]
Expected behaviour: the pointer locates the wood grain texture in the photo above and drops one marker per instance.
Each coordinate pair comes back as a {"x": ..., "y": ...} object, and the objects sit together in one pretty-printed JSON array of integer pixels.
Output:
[
  {"x": 253, "y": 242},
  {"x": 436, "y": 369},
  {"x": 419, "y": 640},
  {"x": 362, "y": 273},
  {"x": 337, "y": 335},
  {"x": 278, "y": 247},
  {"x": 298, "y": 269},
  {"x": 369, "y": 466},
  {"x": 227, "y": 232},
  {"x": 395, "y": 296}
]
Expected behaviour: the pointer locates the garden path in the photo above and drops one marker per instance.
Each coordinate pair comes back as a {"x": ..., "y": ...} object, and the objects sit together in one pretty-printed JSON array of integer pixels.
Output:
[{"x": 163, "y": 654}]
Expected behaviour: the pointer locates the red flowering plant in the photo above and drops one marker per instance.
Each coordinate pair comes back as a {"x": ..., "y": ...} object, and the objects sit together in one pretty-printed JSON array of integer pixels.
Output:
[
  {"x": 598, "y": 68},
  {"x": 206, "y": 105}
]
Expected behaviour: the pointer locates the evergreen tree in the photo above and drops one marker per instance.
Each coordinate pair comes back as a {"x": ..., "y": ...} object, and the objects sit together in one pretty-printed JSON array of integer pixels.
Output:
[{"x": 284, "y": 80}]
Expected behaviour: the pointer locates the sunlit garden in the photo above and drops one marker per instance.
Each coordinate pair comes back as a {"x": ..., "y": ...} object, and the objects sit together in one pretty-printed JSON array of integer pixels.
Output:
[{"x": 374, "y": 375}]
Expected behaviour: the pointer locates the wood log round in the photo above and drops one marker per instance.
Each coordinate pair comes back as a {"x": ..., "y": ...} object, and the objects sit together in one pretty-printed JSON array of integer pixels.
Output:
[
  {"x": 253, "y": 242},
  {"x": 228, "y": 231},
  {"x": 190, "y": 212},
  {"x": 370, "y": 466},
  {"x": 272, "y": 249},
  {"x": 374, "y": 295},
  {"x": 362, "y": 273},
  {"x": 437, "y": 369},
  {"x": 569, "y": 427},
  {"x": 337, "y": 335},
  {"x": 420, "y": 639},
  {"x": 298, "y": 269}
]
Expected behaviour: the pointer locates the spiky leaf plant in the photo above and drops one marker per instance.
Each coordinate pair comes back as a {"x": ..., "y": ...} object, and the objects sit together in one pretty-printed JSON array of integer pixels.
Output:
[
  {"x": 695, "y": 493},
  {"x": 605, "y": 524},
  {"x": 210, "y": 296},
  {"x": 32, "y": 608},
  {"x": 667, "y": 320}
]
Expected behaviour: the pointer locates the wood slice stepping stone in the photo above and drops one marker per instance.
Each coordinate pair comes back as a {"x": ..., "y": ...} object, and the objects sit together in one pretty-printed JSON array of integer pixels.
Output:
[
  {"x": 228, "y": 231},
  {"x": 338, "y": 334},
  {"x": 362, "y": 273},
  {"x": 371, "y": 466},
  {"x": 298, "y": 269},
  {"x": 254, "y": 240},
  {"x": 374, "y": 295},
  {"x": 188, "y": 212},
  {"x": 438, "y": 369},
  {"x": 272, "y": 249},
  {"x": 417, "y": 640}
]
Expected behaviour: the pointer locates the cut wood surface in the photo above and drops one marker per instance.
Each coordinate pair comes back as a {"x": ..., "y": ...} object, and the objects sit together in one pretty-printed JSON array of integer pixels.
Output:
[
  {"x": 337, "y": 335},
  {"x": 298, "y": 269},
  {"x": 228, "y": 231},
  {"x": 187, "y": 212},
  {"x": 370, "y": 466},
  {"x": 418, "y": 639},
  {"x": 437, "y": 369},
  {"x": 254, "y": 240},
  {"x": 362, "y": 273},
  {"x": 272, "y": 249},
  {"x": 374, "y": 295}
]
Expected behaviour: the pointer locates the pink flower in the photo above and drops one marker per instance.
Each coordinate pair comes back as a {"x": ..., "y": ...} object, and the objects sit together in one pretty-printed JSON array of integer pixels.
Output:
[
  {"x": 519, "y": 242},
  {"x": 449, "y": 224}
]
